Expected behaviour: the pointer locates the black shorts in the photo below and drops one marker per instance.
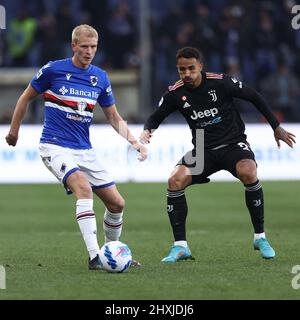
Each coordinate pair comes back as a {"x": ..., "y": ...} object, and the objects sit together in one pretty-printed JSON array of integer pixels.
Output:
[{"x": 224, "y": 158}]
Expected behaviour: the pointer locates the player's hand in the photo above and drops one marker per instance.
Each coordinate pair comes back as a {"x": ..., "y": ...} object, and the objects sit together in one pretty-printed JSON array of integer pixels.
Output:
[
  {"x": 287, "y": 137},
  {"x": 145, "y": 137},
  {"x": 11, "y": 139},
  {"x": 142, "y": 151}
]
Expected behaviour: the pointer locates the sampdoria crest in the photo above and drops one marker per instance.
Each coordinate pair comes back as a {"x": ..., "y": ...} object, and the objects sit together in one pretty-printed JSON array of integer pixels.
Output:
[{"x": 94, "y": 80}]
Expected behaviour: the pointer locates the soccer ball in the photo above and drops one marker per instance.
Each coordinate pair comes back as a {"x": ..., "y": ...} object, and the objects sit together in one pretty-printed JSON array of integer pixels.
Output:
[{"x": 115, "y": 256}]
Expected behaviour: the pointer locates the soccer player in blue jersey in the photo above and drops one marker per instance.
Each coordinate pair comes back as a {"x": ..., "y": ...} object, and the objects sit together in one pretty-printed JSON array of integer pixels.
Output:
[{"x": 71, "y": 89}]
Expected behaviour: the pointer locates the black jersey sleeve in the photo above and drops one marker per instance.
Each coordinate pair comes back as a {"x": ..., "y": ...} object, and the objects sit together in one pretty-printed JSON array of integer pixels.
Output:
[
  {"x": 238, "y": 89},
  {"x": 166, "y": 106}
]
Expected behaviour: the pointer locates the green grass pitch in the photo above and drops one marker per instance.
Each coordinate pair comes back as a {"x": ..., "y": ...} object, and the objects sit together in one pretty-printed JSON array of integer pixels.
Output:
[{"x": 45, "y": 257}]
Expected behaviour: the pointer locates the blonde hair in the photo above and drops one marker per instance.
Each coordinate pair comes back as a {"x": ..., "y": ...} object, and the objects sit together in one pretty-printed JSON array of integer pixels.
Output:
[{"x": 83, "y": 29}]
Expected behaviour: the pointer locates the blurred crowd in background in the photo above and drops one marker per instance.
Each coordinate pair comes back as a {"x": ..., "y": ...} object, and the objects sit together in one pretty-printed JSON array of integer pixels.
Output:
[{"x": 252, "y": 40}]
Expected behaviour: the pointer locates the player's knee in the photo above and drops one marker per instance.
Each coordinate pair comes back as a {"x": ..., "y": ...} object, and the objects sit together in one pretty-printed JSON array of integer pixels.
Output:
[
  {"x": 175, "y": 183},
  {"x": 80, "y": 186},
  {"x": 117, "y": 206},
  {"x": 247, "y": 172}
]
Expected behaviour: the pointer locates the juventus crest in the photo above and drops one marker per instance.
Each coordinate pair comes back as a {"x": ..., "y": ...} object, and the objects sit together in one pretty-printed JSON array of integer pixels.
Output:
[{"x": 213, "y": 95}]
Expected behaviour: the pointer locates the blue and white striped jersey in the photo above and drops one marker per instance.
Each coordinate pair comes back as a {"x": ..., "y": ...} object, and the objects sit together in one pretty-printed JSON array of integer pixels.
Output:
[{"x": 70, "y": 95}]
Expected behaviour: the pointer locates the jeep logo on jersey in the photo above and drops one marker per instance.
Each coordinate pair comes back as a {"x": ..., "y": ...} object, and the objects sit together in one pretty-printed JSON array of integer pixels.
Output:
[
  {"x": 213, "y": 95},
  {"x": 81, "y": 105},
  {"x": 94, "y": 80},
  {"x": 206, "y": 113}
]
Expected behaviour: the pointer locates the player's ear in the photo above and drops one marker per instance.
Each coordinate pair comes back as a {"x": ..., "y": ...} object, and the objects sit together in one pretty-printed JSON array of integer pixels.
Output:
[
  {"x": 200, "y": 66},
  {"x": 73, "y": 45}
]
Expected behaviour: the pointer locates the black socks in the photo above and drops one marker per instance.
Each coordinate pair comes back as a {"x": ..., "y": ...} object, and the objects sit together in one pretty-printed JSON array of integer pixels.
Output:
[
  {"x": 255, "y": 204},
  {"x": 177, "y": 211}
]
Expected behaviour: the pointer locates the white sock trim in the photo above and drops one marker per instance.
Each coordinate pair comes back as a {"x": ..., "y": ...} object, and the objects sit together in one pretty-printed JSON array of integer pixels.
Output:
[
  {"x": 259, "y": 235},
  {"x": 181, "y": 243},
  {"x": 112, "y": 225},
  {"x": 87, "y": 224},
  {"x": 85, "y": 202},
  {"x": 113, "y": 216}
]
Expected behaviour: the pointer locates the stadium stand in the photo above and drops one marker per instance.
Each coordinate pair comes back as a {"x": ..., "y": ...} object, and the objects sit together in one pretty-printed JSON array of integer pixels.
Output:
[{"x": 252, "y": 40}]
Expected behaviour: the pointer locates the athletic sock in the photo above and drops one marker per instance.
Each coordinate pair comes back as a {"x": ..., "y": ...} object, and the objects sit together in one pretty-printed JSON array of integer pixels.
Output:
[
  {"x": 181, "y": 243},
  {"x": 255, "y": 204},
  {"x": 259, "y": 235},
  {"x": 112, "y": 225},
  {"x": 86, "y": 219},
  {"x": 177, "y": 211}
]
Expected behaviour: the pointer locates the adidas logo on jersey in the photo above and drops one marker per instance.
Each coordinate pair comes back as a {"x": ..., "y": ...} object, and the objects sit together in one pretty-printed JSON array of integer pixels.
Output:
[{"x": 186, "y": 105}]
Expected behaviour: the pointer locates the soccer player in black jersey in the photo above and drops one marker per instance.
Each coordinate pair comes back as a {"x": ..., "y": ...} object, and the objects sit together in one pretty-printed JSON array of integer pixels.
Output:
[{"x": 205, "y": 100}]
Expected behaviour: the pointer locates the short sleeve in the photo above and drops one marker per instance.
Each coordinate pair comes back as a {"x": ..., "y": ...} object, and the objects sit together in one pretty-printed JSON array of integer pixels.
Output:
[
  {"x": 41, "y": 82},
  {"x": 106, "y": 97}
]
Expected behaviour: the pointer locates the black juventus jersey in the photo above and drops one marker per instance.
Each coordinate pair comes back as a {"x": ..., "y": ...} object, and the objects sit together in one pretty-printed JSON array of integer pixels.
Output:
[{"x": 211, "y": 107}]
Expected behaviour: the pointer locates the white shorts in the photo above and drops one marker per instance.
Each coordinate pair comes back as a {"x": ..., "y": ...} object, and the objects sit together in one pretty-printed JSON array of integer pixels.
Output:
[{"x": 64, "y": 161}]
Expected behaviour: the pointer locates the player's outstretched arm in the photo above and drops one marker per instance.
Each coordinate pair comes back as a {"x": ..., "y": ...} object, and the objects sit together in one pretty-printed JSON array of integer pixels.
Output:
[
  {"x": 19, "y": 114},
  {"x": 145, "y": 136},
  {"x": 121, "y": 127},
  {"x": 287, "y": 137},
  {"x": 141, "y": 150}
]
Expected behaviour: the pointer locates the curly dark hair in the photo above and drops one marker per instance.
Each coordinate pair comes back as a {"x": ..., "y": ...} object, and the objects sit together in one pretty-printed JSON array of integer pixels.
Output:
[{"x": 189, "y": 52}]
